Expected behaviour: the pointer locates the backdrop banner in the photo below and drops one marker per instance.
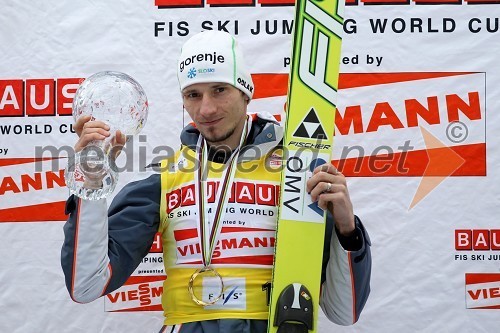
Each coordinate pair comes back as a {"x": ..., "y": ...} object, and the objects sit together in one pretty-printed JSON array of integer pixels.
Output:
[{"x": 414, "y": 134}]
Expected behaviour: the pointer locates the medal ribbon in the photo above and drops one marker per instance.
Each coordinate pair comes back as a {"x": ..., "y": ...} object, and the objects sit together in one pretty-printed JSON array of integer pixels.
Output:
[{"x": 208, "y": 232}]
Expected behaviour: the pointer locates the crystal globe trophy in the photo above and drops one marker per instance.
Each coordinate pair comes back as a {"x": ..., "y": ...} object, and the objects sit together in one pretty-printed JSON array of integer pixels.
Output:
[{"x": 119, "y": 101}]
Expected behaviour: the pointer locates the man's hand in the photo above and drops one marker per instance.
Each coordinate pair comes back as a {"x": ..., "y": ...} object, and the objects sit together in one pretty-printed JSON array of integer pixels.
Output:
[
  {"x": 328, "y": 187},
  {"x": 89, "y": 130}
]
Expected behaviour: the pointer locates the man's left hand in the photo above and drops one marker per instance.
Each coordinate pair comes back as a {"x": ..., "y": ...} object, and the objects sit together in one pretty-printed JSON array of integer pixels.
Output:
[{"x": 328, "y": 187}]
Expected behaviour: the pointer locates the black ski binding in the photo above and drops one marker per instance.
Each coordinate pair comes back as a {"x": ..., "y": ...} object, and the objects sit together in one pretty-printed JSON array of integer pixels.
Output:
[{"x": 294, "y": 310}]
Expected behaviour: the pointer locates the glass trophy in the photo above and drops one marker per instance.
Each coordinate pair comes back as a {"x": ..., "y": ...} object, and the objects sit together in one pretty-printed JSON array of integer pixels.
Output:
[{"x": 119, "y": 101}]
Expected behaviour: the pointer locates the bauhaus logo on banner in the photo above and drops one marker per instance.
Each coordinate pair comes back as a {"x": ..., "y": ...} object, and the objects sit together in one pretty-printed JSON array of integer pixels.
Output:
[
  {"x": 482, "y": 290},
  {"x": 34, "y": 113},
  {"x": 483, "y": 243},
  {"x": 37, "y": 97},
  {"x": 35, "y": 124},
  {"x": 241, "y": 192},
  {"x": 477, "y": 239}
]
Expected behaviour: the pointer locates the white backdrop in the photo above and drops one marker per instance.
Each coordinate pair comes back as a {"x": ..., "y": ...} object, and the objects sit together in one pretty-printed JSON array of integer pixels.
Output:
[{"x": 425, "y": 185}]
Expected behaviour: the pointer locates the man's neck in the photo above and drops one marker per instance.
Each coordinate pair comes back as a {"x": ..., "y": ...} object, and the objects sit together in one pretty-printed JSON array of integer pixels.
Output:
[
  {"x": 221, "y": 151},
  {"x": 219, "y": 155}
]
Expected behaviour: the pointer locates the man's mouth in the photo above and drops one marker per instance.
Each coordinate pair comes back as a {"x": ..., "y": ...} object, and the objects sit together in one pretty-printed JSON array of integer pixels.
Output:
[{"x": 212, "y": 122}]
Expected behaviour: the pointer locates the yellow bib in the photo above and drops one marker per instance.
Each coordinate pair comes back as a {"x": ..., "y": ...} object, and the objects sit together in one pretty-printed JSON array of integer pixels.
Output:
[{"x": 244, "y": 252}]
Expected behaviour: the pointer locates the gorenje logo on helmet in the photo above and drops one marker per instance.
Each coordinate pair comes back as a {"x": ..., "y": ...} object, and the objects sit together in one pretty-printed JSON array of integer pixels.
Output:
[{"x": 209, "y": 57}]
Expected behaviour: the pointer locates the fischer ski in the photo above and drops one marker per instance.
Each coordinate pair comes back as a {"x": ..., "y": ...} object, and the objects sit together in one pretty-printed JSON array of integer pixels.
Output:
[{"x": 307, "y": 143}]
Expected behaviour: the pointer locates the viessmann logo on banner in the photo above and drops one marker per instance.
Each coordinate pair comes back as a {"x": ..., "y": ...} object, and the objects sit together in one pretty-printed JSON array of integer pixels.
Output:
[
  {"x": 429, "y": 125},
  {"x": 236, "y": 245},
  {"x": 417, "y": 123},
  {"x": 482, "y": 290},
  {"x": 138, "y": 294}
]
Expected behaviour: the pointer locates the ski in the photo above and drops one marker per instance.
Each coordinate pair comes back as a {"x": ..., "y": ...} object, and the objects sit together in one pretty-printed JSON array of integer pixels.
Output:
[{"x": 307, "y": 143}]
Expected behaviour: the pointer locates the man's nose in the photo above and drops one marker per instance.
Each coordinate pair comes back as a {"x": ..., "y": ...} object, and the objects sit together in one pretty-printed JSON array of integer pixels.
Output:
[{"x": 208, "y": 106}]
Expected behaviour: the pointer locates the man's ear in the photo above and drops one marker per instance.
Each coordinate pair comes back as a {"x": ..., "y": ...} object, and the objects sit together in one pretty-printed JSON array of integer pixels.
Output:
[{"x": 245, "y": 97}]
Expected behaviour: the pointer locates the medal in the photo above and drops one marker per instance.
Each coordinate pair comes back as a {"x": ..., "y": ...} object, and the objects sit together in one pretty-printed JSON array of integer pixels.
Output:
[
  {"x": 209, "y": 230},
  {"x": 199, "y": 272}
]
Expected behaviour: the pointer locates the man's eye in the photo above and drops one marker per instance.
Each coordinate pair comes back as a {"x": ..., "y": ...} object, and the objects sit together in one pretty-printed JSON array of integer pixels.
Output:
[
  {"x": 191, "y": 95},
  {"x": 220, "y": 89}
]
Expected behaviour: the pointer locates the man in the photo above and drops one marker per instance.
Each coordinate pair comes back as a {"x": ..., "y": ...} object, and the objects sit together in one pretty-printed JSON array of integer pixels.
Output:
[{"x": 215, "y": 205}]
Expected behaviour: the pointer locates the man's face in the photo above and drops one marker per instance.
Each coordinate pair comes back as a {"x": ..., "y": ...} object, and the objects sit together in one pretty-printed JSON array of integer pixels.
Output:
[{"x": 218, "y": 111}]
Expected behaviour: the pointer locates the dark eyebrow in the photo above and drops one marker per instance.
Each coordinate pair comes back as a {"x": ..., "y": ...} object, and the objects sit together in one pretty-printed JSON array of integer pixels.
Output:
[
  {"x": 213, "y": 86},
  {"x": 188, "y": 91},
  {"x": 219, "y": 85}
]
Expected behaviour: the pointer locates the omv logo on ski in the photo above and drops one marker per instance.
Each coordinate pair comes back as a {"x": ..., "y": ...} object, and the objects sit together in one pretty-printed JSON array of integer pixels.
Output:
[{"x": 297, "y": 203}]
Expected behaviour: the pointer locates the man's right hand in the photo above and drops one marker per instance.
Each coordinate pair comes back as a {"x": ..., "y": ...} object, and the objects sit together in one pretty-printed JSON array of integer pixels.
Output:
[{"x": 89, "y": 130}]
